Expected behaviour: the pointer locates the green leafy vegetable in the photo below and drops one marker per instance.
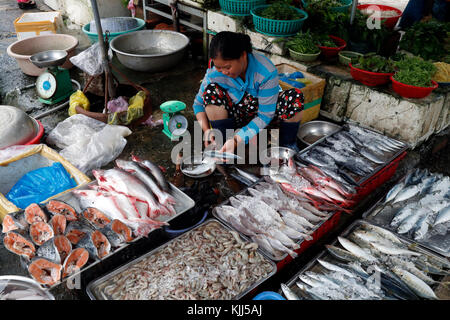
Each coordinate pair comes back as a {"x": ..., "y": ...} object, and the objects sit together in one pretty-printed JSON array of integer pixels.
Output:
[
  {"x": 324, "y": 40},
  {"x": 375, "y": 63},
  {"x": 415, "y": 71},
  {"x": 280, "y": 10},
  {"x": 303, "y": 42}
]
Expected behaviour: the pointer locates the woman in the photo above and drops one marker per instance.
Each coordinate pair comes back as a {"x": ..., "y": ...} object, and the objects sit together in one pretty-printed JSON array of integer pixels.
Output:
[{"x": 242, "y": 91}]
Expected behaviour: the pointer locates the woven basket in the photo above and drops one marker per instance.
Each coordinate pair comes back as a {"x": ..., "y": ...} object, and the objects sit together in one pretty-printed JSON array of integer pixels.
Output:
[
  {"x": 239, "y": 7},
  {"x": 277, "y": 28}
]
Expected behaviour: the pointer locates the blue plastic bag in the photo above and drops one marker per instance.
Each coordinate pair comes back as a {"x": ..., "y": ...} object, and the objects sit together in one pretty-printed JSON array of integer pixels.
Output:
[
  {"x": 37, "y": 185},
  {"x": 289, "y": 78}
]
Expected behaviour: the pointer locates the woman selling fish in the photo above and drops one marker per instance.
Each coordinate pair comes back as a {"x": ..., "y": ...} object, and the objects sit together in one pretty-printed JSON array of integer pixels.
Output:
[{"x": 242, "y": 92}]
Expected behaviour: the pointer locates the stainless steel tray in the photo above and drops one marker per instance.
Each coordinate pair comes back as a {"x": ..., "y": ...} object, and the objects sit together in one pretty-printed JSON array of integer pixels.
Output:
[
  {"x": 314, "y": 266},
  {"x": 388, "y": 156},
  {"x": 92, "y": 288},
  {"x": 280, "y": 257},
  {"x": 183, "y": 204},
  {"x": 381, "y": 215}
]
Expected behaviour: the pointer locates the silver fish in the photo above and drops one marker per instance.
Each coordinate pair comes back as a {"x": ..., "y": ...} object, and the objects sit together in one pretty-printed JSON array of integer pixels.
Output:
[
  {"x": 356, "y": 250},
  {"x": 155, "y": 171},
  {"x": 288, "y": 293},
  {"x": 407, "y": 224},
  {"x": 341, "y": 254},
  {"x": 407, "y": 193},
  {"x": 442, "y": 216},
  {"x": 277, "y": 245},
  {"x": 333, "y": 267},
  {"x": 220, "y": 155},
  {"x": 247, "y": 175},
  {"x": 383, "y": 232},
  {"x": 394, "y": 191},
  {"x": 416, "y": 284}
]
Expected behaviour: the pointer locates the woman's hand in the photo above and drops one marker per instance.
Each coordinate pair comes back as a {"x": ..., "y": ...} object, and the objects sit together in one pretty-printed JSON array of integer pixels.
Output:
[
  {"x": 209, "y": 137},
  {"x": 230, "y": 144}
]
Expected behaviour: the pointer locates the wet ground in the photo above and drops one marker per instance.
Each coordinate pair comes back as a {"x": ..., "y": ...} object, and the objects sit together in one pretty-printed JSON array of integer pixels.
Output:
[{"x": 179, "y": 83}]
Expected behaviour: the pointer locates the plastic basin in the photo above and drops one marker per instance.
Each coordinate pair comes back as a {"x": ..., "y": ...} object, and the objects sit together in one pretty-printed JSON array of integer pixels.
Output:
[
  {"x": 345, "y": 57},
  {"x": 304, "y": 57},
  {"x": 369, "y": 78},
  {"x": 268, "y": 295},
  {"x": 329, "y": 52},
  {"x": 388, "y": 22},
  {"x": 38, "y": 137},
  {"x": 408, "y": 91},
  {"x": 173, "y": 233},
  {"x": 277, "y": 28},
  {"x": 22, "y": 50},
  {"x": 93, "y": 36}
]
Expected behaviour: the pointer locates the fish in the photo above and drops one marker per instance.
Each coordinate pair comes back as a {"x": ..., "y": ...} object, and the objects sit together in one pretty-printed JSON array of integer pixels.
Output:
[
  {"x": 367, "y": 153},
  {"x": 335, "y": 268},
  {"x": 155, "y": 171},
  {"x": 58, "y": 223},
  {"x": 59, "y": 207},
  {"x": 393, "y": 192},
  {"x": 407, "y": 224},
  {"x": 263, "y": 243},
  {"x": 76, "y": 260},
  {"x": 14, "y": 221},
  {"x": 341, "y": 254},
  {"x": 277, "y": 245},
  {"x": 19, "y": 244},
  {"x": 382, "y": 232},
  {"x": 247, "y": 175},
  {"x": 122, "y": 229},
  {"x": 288, "y": 293},
  {"x": 390, "y": 250},
  {"x": 416, "y": 284},
  {"x": 422, "y": 227},
  {"x": 96, "y": 244},
  {"x": 220, "y": 155},
  {"x": 76, "y": 230},
  {"x": 442, "y": 216},
  {"x": 283, "y": 238},
  {"x": 96, "y": 217},
  {"x": 34, "y": 213},
  {"x": 45, "y": 272},
  {"x": 63, "y": 245},
  {"x": 356, "y": 250},
  {"x": 197, "y": 170},
  {"x": 163, "y": 197},
  {"x": 401, "y": 215},
  {"x": 49, "y": 251},
  {"x": 41, "y": 232},
  {"x": 114, "y": 238}
]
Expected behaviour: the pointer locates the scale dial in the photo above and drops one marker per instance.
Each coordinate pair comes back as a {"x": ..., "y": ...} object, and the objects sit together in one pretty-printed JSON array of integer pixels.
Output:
[{"x": 46, "y": 85}]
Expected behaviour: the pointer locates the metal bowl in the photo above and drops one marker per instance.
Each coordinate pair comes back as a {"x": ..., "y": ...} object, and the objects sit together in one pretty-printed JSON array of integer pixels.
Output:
[
  {"x": 191, "y": 161},
  {"x": 311, "y": 131},
  {"x": 50, "y": 58},
  {"x": 276, "y": 156},
  {"x": 16, "y": 127},
  {"x": 150, "y": 50},
  {"x": 22, "y": 288}
]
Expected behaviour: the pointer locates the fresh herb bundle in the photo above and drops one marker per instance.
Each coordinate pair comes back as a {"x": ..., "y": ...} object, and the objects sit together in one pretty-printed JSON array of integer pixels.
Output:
[
  {"x": 429, "y": 40},
  {"x": 324, "y": 40},
  {"x": 303, "y": 42},
  {"x": 280, "y": 10},
  {"x": 375, "y": 63},
  {"x": 415, "y": 71}
]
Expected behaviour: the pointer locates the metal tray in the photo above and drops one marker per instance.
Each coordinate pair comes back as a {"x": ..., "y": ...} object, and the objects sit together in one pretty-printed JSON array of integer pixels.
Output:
[
  {"x": 381, "y": 215},
  {"x": 388, "y": 156},
  {"x": 183, "y": 204},
  {"x": 280, "y": 257},
  {"x": 92, "y": 289},
  {"x": 314, "y": 266}
]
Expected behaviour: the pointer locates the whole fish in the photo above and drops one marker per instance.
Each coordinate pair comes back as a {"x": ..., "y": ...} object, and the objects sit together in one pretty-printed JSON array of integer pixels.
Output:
[
  {"x": 288, "y": 293},
  {"x": 407, "y": 224},
  {"x": 155, "y": 171},
  {"x": 356, "y": 250},
  {"x": 442, "y": 216},
  {"x": 383, "y": 232},
  {"x": 401, "y": 215},
  {"x": 247, "y": 175},
  {"x": 263, "y": 242},
  {"x": 407, "y": 193},
  {"x": 335, "y": 268},
  {"x": 393, "y": 192},
  {"x": 341, "y": 254},
  {"x": 416, "y": 284},
  {"x": 277, "y": 245},
  {"x": 220, "y": 155},
  {"x": 422, "y": 227}
]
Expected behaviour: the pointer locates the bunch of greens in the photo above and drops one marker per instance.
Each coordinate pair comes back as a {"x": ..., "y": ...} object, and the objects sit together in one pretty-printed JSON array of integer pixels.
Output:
[
  {"x": 375, "y": 63},
  {"x": 429, "y": 40},
  {"x": 280, "y": 10},
  {"x": 303, "y": 42},
  {"x": 324, "y": 40},
  {"x": 323, "y": 3},
  {"x": 322, "y": 20},
  {"x": 415, "y": 71}
]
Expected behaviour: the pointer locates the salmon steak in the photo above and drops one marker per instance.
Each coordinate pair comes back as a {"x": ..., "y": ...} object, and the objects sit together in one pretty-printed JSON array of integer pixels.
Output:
[
  {"x": 58, "y": 223},
  {"x": 49, "y": 251},
  {"x": 59, "y": 207},
  {"x": 75, "y": 261},
  {"x": 41, "y": 232},
  {"x": 44, "y": 271},
  {"x": 34, "y": 213},
  {"x": 14, "y": 221},
  {"x": 96, "y": 217},
  {"x": 101, "y": 243},
  {"x": 76, "y": 230},
  {"x": 19, "y": 245},
  {"x": 122, "y": 229},
  {"x": 63, "y": 245}
]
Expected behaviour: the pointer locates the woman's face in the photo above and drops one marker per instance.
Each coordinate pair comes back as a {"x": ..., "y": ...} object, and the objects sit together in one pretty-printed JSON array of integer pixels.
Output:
[{"x": 232, "y": 68}]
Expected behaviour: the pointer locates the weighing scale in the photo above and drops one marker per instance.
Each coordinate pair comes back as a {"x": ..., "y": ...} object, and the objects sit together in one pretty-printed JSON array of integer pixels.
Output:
[
  {"x": 175, "y": 124},
  {"x": 54, "y": 85}
]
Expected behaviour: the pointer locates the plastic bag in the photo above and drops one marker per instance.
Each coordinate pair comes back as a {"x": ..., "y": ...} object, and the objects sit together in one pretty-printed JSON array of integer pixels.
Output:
[
  {"x": 294, "y": 79},
  {"x": 78, "y": 99},
  {"x": 135, "y": 111},
  {"x": 40, "y": 184},
  {"x": 90, "y": 60},
  {"x": 88, "y": 143}
]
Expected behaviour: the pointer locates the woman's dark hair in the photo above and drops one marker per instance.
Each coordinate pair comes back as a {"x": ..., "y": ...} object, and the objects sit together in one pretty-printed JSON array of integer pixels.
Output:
[{"x": 229, "y": 45}]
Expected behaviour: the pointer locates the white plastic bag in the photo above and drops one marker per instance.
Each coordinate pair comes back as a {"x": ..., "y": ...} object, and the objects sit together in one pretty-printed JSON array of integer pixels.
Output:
[
  {"x": 90, "y": 60},
  {"x": 88, "y": 143}
]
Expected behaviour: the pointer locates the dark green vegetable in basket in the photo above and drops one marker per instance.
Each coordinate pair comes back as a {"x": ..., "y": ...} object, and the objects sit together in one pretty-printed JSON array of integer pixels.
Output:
[
  {"x": 303, "y": 42},
  {"x": 324, "y": 41},
  {"x": 324, "y": 3},
  {"x": 415, "y": 71},
  {"x": 280, "y": 10},
  {"x": 375, "y": 63}
]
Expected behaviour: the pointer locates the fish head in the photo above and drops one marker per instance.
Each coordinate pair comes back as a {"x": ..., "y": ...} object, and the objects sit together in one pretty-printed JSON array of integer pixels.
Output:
[{"x": 99, "y": 174}]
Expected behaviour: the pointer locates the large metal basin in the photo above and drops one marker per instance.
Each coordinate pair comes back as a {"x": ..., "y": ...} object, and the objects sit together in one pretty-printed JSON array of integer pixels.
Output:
[
  {"x": 16, "y": 127},
  {"x": 311, "y": 131},
  {"x": 150, "y": 50}
]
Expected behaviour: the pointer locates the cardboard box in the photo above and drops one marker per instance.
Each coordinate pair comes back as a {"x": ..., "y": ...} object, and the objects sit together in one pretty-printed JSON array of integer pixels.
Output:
[
  {"x": 38, "y": 156},
  {"x": 31, "y": 24},
  {"x": 313, "y": 92}
]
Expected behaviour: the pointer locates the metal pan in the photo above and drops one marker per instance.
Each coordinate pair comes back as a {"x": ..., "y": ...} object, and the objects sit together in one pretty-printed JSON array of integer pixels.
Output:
[
  {"x": 96, "y": 294},
  {"x": 381, "y": 215},
  {"x": 314, "y": 266}
]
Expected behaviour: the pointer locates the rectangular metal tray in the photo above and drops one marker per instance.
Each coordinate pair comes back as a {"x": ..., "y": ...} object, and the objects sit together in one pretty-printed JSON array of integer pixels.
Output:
[
  {"x": 388, "y": 156},
  {"x": 268, "y": 254},
  {"x": 314, "y": 266},
  {"x": 93, "y": 294},
  {"x": 381, "y": 216},
  {"x": 183, "y": 204}
]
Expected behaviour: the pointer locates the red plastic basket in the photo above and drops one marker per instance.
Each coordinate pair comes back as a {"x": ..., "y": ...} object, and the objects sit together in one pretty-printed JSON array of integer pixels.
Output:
[
  {"x": 326, "y": 227},
  {"x": 369, "y": 78},
  {"x": 388, "y": 22},
  {"x": 329, "y": 52},
  {"x": 408, "y": 91},
  {"x": 37, "y": 138}
]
